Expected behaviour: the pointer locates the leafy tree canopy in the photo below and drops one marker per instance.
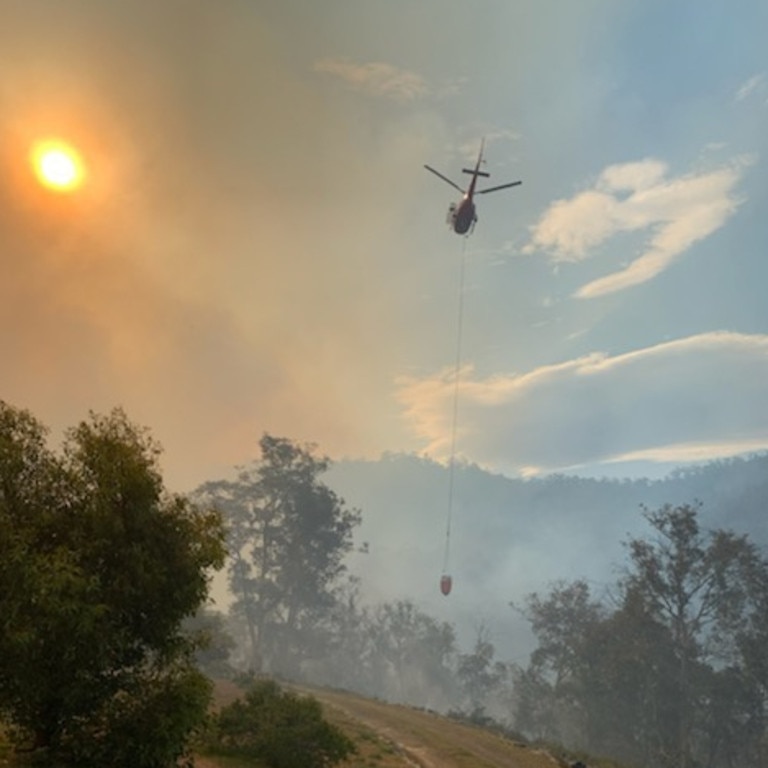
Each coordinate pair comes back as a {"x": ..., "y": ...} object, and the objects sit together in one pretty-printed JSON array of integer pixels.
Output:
[
  {"x": 674, "y": 672},
  {"x": 288, "y": 535},
  {"x": 99, "y": 565}
]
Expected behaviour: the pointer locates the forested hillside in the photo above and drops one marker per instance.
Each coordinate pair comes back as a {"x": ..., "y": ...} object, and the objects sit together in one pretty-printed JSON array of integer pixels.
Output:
[
  {"x": 626, "y": 619},
  {"x": 511, "y": 536}
]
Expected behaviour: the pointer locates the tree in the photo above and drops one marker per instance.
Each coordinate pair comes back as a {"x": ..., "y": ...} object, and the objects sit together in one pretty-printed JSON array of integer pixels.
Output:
[
  {"x": 697, "y": 585},
  {"x": 534, "y": 708},
  {"x": 411, "y": 654},
  {"x": 676, "y": 675},
  {"x": 479, "y": 675},
  {"x": 344, "y": 648},
  {"x": 598, "y": 680},
  {"x": 562, "y": 622},
  {"x": 214, "y": 643},
  {"x": 626, "y": 687},
  {"x": 752, "y": 642},
  {"x": 99, "y": 565},
  {"x": 288, "y": 535}
]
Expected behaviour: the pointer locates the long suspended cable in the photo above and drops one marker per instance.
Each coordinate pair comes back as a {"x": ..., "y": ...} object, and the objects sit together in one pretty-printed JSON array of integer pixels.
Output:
[{"x": 445, "y": 583}]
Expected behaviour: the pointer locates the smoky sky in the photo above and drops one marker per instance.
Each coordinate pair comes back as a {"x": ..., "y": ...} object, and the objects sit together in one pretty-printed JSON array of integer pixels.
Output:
[
  {"x": 258, "y": 248},
  {"x": 215, "y": 276}
]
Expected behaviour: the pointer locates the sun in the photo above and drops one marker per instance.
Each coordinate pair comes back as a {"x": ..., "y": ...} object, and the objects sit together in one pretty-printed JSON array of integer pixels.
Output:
[{"x": 58, "y": 165}]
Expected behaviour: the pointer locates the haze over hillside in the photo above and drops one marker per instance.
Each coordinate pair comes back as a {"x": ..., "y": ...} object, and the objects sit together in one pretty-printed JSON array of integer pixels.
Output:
[{"x": 511, "y": 537}]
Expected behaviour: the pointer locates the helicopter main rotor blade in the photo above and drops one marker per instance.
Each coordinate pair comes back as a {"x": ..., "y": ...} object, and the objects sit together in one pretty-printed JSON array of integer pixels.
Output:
[
  {"x": 496, "y": 189},
  {"x": 445, "y": 178}
]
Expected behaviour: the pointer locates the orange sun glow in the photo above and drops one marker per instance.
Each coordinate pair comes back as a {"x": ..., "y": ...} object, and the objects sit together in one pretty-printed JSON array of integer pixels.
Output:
[{"x": 57, "y": 165}]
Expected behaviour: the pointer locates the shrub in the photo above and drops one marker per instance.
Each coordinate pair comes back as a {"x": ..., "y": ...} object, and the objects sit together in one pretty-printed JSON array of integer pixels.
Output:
[{"x": 281, "y": 729}]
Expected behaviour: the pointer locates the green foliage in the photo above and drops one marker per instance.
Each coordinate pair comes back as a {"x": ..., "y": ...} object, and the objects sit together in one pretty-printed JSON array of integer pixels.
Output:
[
  {"x": 98, "y": 567},
  {"x": 280, "y": 729},
  {"x": 410, "y": 653},
  {"x": 208, "y": 630},
  {"x": 288, "y": 535},
  {"x": 670, "y": 675},
  {"x": 561, "y": 622},
  {"x": 480, "y": 677},
  {"x": 147, "y": 725}
]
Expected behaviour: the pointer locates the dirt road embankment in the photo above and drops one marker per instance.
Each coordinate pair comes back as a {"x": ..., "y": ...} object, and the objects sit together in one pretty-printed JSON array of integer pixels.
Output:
[
  {"x": 425, "y": 740},
  {"x": 394, "y": 736}
]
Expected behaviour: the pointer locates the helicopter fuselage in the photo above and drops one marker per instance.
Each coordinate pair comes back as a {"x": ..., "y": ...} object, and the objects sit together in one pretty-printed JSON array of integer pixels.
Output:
[{"x": 462, "y": 216}]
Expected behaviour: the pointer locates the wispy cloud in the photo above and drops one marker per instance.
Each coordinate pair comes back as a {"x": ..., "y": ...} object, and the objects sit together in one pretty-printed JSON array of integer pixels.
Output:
[
  {"x": 700, "y": 395},
  {"x": 756, "y": 84},
  {"x": 491, "y": 134},
  {"x": 685, "y": 453},
  {"x": 676, "y": 212},
  {"x": 376, "y": 77},
  {"x": 451, "y": 88}
]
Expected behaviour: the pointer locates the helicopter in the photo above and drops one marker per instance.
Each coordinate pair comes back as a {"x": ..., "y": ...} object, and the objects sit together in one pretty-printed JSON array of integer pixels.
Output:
[{"x": 462, "y": 216}]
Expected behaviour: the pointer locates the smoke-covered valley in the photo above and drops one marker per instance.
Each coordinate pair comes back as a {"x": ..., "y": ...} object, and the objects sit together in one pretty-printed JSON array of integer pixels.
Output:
[
  {"x": 612, "y": 616},
  {"x": 511, "y": 537}
]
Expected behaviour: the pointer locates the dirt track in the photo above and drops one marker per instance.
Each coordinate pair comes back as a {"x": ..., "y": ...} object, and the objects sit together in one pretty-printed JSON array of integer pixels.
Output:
[
  {"x": 425, "y": 740},
  {"x": 393, "y": 736}
]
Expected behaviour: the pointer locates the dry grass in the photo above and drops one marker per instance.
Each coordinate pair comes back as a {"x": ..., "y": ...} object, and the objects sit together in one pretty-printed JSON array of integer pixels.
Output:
[{"x": 413, "y": 737}]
